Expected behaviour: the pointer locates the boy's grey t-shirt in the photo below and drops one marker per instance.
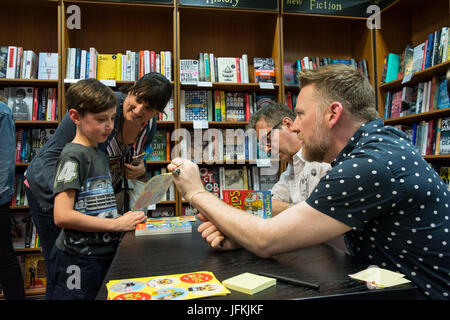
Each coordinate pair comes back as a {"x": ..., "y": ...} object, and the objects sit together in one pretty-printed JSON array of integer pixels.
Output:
[{"x": 86, "y": 170}]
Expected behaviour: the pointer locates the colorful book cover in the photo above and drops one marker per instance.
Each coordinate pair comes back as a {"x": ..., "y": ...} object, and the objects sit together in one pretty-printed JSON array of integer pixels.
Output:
[
  {"x": 106, "y": 66},
  {"x": 196, "y": 106},
  {"x": 152, "y": 228},
  {"x": 210, "y": 179},
  {"x": 184, "y": 286},
  {"x": 257, "y": 202},
  {"x": 159, "y": 146},
  {"x": 264, "y": 69},
  {"x": 188, "y": 71},
  {"x": 35, "y": 273},
  {"x": 185, "y": 218}
]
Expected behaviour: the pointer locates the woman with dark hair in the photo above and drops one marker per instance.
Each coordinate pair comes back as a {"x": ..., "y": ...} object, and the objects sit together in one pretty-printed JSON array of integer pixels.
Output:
[{"x": 138, "y": 109}]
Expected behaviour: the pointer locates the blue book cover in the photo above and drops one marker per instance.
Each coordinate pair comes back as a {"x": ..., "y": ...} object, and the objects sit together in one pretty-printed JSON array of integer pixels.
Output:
[
  {"x": 393, "y": 63},
  {"x": 443, "y": 100}
]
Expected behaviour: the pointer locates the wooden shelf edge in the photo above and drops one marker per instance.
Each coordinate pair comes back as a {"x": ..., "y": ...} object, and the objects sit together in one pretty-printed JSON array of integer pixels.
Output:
[
  {"x": 435, "y": 114},
  {"x": 417, "y": 77}
]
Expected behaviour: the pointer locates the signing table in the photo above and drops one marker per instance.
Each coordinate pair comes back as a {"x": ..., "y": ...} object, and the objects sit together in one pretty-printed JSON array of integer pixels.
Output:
[{"x": 156, "y": 255}]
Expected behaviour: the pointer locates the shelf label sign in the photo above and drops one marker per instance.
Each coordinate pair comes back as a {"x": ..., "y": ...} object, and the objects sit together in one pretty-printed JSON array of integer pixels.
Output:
[
  {"x": 234, "y": 4},
  {"x": 352, "y": 8}
]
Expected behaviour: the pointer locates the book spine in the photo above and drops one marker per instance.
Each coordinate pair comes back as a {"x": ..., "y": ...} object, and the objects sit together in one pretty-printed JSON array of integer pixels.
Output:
[
  {"x": 206, "y": 66},
  {"x": 238, "y": 70}
]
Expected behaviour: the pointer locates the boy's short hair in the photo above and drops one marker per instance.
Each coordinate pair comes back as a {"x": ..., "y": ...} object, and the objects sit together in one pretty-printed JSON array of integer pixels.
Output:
[{"x": 90, "y": 96}]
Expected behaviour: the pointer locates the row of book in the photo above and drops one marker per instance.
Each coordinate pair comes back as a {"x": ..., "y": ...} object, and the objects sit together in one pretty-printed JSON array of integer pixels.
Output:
[
  {"x": 128, "y": 66},
  {"x": 424, "y": 97},
  {"x": 23, "y": 230},
  {"x": 17, "y": 63},
  {"x": 219, "y": 105},
  {"x": 32, "y": 103},
  {"x": 19, "y": 197},
  {"x": 169, "y": 111},
  {"x": 291, "y": 99},
  {"x": 430, "y": 137},
  {"x": 217, "y": 145},
  {"x": 218, "y": 179},
  {"x": 30, "y": 141},
  {"x": 208, "y": 68},
  {"x": 434, "y": 50},
  {"x": 310, "y": 63}
]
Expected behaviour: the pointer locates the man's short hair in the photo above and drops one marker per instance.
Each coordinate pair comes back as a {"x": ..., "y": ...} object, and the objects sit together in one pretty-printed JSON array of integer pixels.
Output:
[
  {"x": 272, "y": 113},
  {"x": 344, "y": 84}
]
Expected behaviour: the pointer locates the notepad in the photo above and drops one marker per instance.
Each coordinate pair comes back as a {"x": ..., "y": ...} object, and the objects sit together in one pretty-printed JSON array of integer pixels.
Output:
[
  {"x": 379, "y": 277},
  {"x": 249, "y": 283}
]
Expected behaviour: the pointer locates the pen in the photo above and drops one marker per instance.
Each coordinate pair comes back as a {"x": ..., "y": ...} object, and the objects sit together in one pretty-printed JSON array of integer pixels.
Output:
[{"x": 294, "y": 282}]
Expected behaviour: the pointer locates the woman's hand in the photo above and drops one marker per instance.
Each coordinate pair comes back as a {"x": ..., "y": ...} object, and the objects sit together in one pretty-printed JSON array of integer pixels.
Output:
[
  {"x": 186, "y": 177},
  {"x": 134, "y": 172}
]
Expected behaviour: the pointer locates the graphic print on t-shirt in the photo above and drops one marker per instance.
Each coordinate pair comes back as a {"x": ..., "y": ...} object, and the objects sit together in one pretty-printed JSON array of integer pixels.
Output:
[{"x": 96, "y": 198}]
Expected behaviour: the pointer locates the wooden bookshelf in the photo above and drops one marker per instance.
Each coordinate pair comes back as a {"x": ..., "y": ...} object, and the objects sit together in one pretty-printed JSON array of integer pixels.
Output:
[
  {"x": 409, "y": 23},
  {"x": 336, "y": 37},
  {"x": 186, "y": 30}
]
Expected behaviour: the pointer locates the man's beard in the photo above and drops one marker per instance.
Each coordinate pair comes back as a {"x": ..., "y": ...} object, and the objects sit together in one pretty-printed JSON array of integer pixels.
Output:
[{"x": 317, "y": 150}]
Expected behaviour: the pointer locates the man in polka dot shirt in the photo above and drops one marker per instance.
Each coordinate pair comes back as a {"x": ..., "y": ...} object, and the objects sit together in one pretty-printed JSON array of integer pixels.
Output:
[{"x": 391, "y": 206}]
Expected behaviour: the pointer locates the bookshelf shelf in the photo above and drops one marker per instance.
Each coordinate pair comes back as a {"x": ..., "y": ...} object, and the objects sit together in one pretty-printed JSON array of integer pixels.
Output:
[
  {"x": 444, "y": 158},
  {"x": 232, "y": 87},
  {"x": 418, "y": 77},
  {"x": 441, "y": 113},
  {"x": 217, "y": 124}
]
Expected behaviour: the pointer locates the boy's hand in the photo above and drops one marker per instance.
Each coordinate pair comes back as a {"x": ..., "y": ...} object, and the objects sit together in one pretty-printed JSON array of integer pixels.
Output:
[{"x": 129, "y": 220}]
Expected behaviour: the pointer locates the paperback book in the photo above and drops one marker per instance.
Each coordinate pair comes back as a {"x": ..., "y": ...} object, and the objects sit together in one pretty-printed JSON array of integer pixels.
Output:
[
  {"x": 258, "y": 203},
  {"x": 163, "y": 227},
  {"x": 184, "y": 286}
]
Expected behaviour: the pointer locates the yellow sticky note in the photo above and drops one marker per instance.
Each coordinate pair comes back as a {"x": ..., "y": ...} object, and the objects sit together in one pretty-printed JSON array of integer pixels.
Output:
[
  {"x": 249, "y": 283},
  {"x": 380, "y": 277}
]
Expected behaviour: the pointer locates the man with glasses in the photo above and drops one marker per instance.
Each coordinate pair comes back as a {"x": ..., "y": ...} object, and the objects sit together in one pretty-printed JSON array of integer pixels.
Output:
[{"x": 274, "y": 125}]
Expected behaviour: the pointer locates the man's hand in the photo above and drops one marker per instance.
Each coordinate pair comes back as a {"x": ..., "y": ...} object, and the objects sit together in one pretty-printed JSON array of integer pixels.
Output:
[
  {"x": 186, "y": 177},
  {"x": 214, "y": 237}
]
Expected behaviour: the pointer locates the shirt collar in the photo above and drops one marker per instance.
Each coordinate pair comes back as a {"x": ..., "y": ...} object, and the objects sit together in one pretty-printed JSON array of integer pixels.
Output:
[{"x": 364, "y": 130}]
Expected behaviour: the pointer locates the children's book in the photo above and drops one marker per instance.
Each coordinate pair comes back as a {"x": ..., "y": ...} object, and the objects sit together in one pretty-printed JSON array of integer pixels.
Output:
[
  {"x": 184, "y": 286},
  {"x": 256, "y": 202},
  {"x": 173, "y": 219},
  {"x": 163, "y": 227}
]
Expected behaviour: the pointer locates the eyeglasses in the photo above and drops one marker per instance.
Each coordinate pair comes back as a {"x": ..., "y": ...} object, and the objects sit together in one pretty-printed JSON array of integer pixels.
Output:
[{"x": 265, "y": 140}]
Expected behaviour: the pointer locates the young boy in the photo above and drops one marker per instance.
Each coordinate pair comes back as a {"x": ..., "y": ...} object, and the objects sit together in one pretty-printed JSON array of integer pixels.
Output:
[{"x": 85, "y": 205}]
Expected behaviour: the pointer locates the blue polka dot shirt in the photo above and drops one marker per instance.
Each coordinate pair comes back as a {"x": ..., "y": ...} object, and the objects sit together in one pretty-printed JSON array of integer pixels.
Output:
[{"x": 395, "y": 203}]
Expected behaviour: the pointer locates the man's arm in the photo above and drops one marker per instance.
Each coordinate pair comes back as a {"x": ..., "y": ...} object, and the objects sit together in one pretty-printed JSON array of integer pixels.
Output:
[
  {"x": 278, "y": 206},
  {"x": 298, "y": 227}
]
